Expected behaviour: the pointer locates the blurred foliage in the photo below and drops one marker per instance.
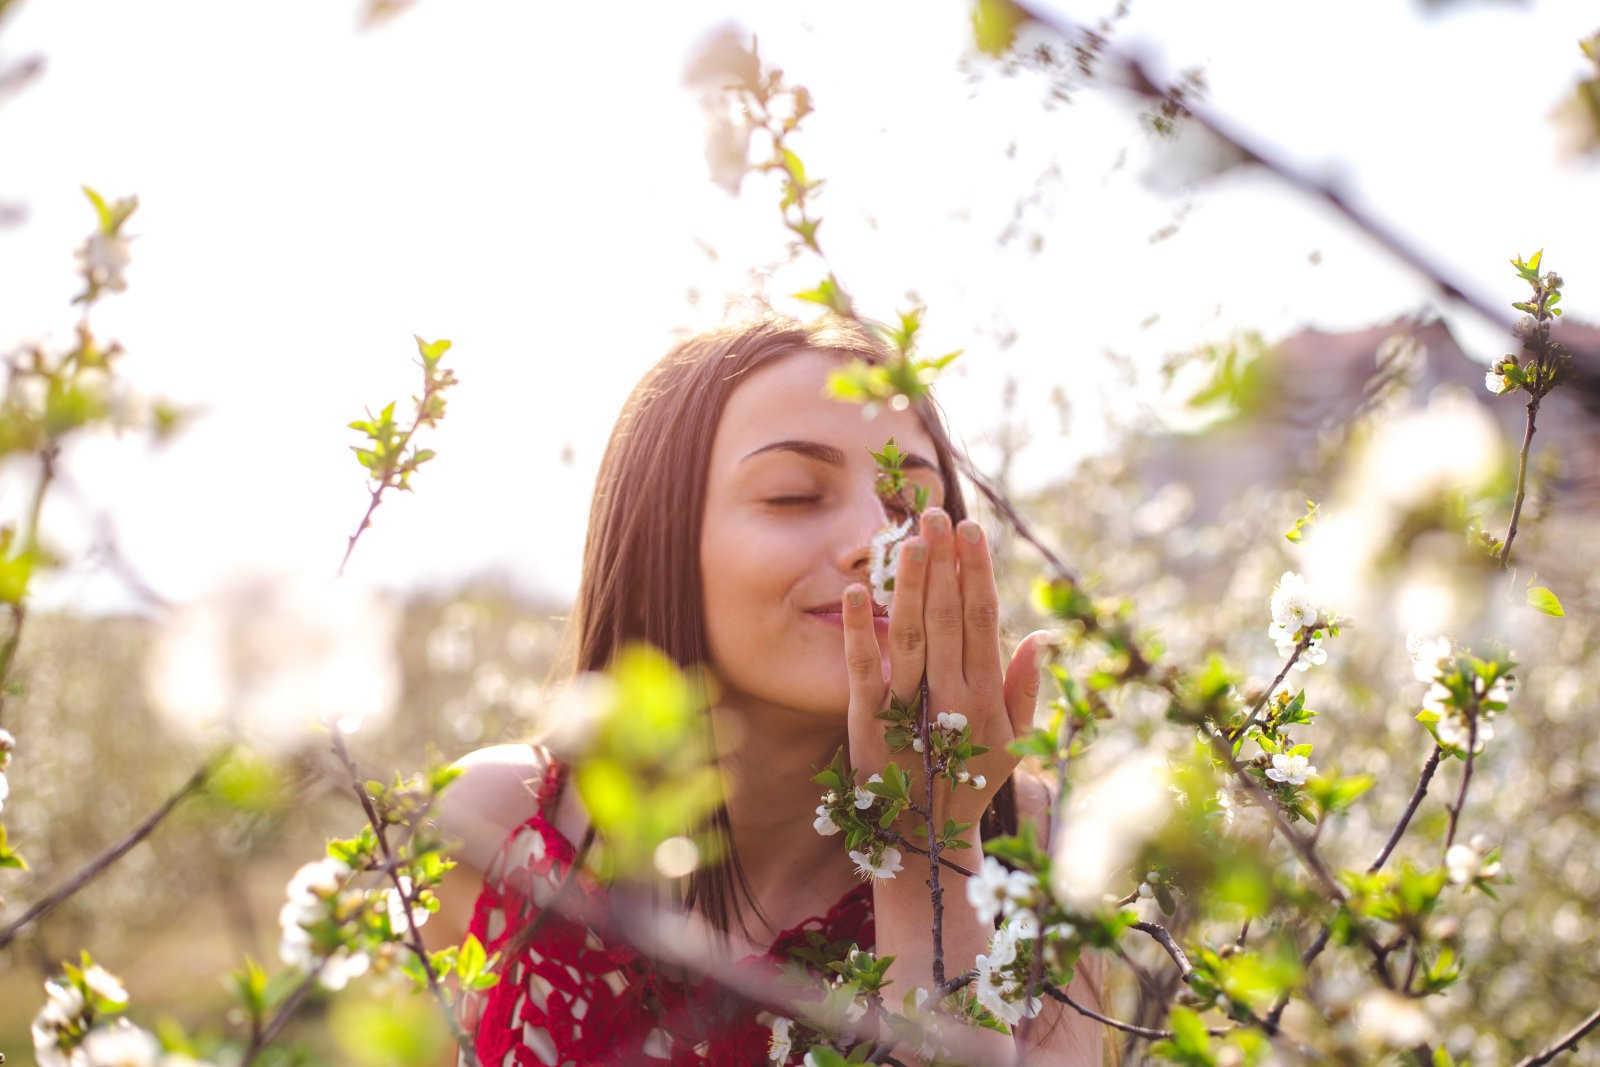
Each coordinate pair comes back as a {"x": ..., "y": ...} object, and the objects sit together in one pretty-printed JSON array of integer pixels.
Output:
[{"x": 99, "y": 758}]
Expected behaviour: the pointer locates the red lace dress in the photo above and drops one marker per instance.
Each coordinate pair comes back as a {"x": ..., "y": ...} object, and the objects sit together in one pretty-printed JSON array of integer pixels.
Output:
[{"x": 570, "y": 999}]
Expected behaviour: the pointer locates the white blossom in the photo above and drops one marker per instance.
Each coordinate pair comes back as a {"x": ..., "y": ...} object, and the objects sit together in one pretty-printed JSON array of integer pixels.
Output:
[
  {"x": 979, "y": 781},
  {"x": 779, "y": 1045},
  {"x": 885, "y": 558},
  {"x": 865, "y": 796},
  {"x": 824, "y": 823},
  {"x": 105, "y": 985},
  {"x": 397, "y": 908},
  {"x": 63, "y": 1009},
  {"x": 1023, "y": 924},
  {"x": 884, "y": 867},
  {"x": 1145, "y": 891},
  {"x": 1427, "y": 654},
  {"x": 1291, "y": 769},
  {"x": 1496, "y": 382},
  {"x": 104, "y": 257},
  {"x": 342, "y": 966},
  {"x": 1465, "y": 862},
  {"x": 1292, "y": 606},
  {"x": 994, "y": 890},
  {"x": 308, "y": 892},
  {"x": 120, "y": 1045},
  {"x": 994, "y": 988},
  {"x": 5, "y": 790},
  {"x": 953, "y": 721},
  {"x": 8, "y": 745},
  {"x": 317, "y": 880},
  {"x": 1453, "y": 730},
  {"x": 916, "y": 744}
]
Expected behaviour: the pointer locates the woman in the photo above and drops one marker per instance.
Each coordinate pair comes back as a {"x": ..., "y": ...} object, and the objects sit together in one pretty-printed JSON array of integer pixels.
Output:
[{"x": 731, "y": 527}]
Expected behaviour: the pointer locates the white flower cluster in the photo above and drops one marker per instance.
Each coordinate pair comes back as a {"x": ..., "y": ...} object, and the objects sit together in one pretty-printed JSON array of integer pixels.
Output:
[
  {"x": 62, "y": 1014},
  {"x": 1466, "y": 862},
  {"x": 949, "y": 725},
  {"x": 8, "y": 745},
  {"x": 1293, "y": 611},
  {"x": 885, "y": 558},
  {"x": 1432, "y": 660},
  {"x": 313, "y": 892},
  {"x": 824, "y": 823},
  {"x": 66, "y": 1033},
  {"x": 996, "y": 987}
]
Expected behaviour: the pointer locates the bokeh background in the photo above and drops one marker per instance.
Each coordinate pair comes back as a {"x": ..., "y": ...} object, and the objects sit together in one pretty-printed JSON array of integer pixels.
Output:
[{"x": 319, "y": 181}]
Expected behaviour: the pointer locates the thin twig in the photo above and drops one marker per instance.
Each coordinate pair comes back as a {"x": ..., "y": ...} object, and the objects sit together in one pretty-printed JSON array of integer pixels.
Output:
[
  {"x": 407, "y": 900},
  {"x": 1261, "y": 702},
  {"x": 1522, "y": 481},
  {"x": 428, "y": 389},
  {"x": 1142, "y": 1031},
  {"x": 1570, "y": 1041},
  {"x": 94, "y": 867},
  {"x": 934, "y": 837}
]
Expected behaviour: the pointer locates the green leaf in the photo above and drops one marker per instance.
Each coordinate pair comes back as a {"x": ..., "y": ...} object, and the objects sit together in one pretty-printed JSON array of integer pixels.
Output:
[
  {"x": 1543, "y": 599},
  {"x": 431, "y": 350},
  {"x": 10, "y": 859},
  {"x": 1296, "y": 532},
  {"x": 469, "y": 964}
]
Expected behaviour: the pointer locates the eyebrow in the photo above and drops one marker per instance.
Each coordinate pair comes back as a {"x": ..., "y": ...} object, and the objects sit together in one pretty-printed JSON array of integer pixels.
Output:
[{"x": 828, "y": 454}]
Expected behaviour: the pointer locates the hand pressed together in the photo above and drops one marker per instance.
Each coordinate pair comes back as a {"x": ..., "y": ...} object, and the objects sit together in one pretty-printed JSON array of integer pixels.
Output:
[{"x": 945, "y": 619}]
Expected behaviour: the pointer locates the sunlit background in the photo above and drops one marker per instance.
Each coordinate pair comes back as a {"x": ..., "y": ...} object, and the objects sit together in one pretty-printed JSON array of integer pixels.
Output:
[{"x": 531, "y": 182}]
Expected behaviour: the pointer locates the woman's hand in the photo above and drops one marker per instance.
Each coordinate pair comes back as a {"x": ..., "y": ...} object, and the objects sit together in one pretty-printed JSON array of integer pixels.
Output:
[{"x": 945, "y": 618}]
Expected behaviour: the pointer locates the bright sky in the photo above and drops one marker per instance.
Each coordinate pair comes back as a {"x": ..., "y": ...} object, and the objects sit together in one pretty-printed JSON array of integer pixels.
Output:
[{"x": 530, "y": 182}]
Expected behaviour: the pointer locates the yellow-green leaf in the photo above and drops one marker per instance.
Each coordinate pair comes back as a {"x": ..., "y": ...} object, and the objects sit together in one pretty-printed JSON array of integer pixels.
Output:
[{"x": 1543, "y": 599}]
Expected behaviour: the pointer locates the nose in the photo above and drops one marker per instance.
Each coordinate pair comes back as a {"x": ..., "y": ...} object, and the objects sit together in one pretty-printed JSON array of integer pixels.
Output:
[{"x": 867, "y": 514}]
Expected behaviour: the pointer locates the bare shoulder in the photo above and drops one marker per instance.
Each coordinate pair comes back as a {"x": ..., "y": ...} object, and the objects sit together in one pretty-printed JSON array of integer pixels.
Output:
[
  {"x": 496, "y": 791},
  {"x": 1036, "y": 795}
]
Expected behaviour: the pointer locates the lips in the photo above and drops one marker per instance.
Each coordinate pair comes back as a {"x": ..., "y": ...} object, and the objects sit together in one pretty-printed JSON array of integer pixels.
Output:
[{"x": 878, "y": 610}]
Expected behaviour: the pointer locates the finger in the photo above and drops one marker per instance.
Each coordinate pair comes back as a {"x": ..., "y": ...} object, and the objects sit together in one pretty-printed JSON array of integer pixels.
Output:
[
  {"x": 864, "y": 666},
  {"x": 907, "y": 639},
  {"x": 1022, "y": 680},
  {"x": 980, "y": 609},
  {"x": 942, "y": 610}
]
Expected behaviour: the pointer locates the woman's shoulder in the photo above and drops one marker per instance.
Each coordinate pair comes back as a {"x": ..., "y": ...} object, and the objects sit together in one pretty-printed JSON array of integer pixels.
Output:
[{"x": 500, "y": 787}]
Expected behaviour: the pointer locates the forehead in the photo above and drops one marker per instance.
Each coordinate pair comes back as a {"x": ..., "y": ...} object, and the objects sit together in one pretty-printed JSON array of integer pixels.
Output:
[{"x": 787, "y": 399}]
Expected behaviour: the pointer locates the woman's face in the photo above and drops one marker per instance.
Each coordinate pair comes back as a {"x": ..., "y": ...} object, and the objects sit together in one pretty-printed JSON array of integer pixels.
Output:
[{"x": 790, "y": 513}]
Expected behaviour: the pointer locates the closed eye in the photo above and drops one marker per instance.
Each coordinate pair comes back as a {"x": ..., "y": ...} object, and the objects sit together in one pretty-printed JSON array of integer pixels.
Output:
[{"x": 792, "y": 501}]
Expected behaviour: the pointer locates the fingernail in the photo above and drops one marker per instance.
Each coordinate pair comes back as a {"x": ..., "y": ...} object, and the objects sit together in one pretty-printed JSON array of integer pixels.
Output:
[
  {"x": 917, "y": 551},
  {"x": 856, "y": 597},
  {"x": 969, "y": 531}
]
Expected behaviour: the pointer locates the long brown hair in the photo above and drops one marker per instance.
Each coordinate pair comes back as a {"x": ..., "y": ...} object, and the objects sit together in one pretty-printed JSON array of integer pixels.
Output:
[{"x": 641, "y": 561}]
